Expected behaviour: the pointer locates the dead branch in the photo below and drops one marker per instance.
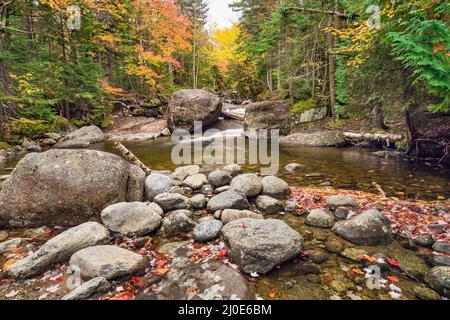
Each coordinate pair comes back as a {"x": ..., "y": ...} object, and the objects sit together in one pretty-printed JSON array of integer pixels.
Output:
[
  {"x": 131, "y": 157},
  {"x": 373, "y": 137},
  {"x": 380, "y": 190}
]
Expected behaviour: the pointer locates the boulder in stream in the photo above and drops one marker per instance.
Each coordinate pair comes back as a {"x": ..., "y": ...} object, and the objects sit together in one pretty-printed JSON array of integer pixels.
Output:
[
  {"x": 249, "y": 184},
  {"x": 260, "y": 245},
  {"x": 82, "y": 138},
  {"x": 110, "y": 262},
  {"x": 58, "y": 249},
  {"x": 155, "y": 184},
  {"x": 66, "y": 188},
  {"x": 275, "y": 187},
  {"x": 231, "y": 199},
  {"x": 188, "y": 106},
  {"x": 132, "y": 218},
  {"x": 438, "y": 278},
  {"x": 315, "y": 139},
  {"x": 368, "y": 228}
]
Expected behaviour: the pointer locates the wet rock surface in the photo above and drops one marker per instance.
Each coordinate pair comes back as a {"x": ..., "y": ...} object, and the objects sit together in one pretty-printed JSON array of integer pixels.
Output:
[
  {"x": 231, "y": 199},
  {"x": 260, "y": 245},
  {"x": 109, "y": 262}
]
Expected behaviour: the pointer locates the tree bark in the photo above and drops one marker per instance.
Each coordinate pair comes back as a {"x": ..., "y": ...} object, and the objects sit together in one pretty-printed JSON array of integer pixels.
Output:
[{"x": 131, "y": 157}]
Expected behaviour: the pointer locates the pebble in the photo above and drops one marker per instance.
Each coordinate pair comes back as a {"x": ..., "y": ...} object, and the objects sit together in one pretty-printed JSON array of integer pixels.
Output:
[
  {"x": 442, "y": 246},
  {"x": 341, "y": 213},
  {"x": 334, "y": 246},
  {"x": 317, "y": 256}
]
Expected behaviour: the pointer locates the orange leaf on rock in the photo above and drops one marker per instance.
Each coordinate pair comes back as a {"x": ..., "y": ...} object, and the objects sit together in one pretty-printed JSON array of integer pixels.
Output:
[
  {"x": 272, "y": 294},
  {"x": 162, "y": 271},
  {"x": 8, "y": 263},
  {"x": 393, "y": 279}
]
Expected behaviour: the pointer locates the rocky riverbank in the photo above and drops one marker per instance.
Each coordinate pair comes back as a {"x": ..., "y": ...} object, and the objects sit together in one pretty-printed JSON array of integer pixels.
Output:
[{"x": 192, "y": 234}]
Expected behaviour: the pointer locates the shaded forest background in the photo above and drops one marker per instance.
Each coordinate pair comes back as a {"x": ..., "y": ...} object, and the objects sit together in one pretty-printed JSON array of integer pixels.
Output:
[{"x": 361, "y": 59}]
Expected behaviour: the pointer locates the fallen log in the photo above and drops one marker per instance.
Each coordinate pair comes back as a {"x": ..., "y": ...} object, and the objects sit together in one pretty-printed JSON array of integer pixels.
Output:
[
  {"x": 131, "y": 157},
  {"x": 233, "y": 116},
  {"x": 385, "y": 137}
]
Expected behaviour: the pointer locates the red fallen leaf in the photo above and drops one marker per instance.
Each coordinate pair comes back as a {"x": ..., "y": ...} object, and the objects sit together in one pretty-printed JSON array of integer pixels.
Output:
[
  {"x": 142, "y": 251},
  {"x": 137, "y": 281},
  {"x": 393, "y": 262},
  {"x": 272, "y": 294},
  {"x": 47, "y": 231},
  {"x": 223, "y": 252},
  {"x": 244, "y": 226},
  {"x": 162, "y": 263},
  {"x": 124, "y": 295},
  {"x": 393, "y": 279}
]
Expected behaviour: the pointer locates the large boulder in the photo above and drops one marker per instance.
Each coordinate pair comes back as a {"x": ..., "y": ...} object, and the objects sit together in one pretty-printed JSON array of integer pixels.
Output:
[
  {"x": 329, "y": 138},
  {"x": 82, "y": 138},
  {"x": 132, "y": 218},
  {"x": 267, "y": 115},
  {"x": 212, "y": 279},
  {"x": 231, "y": 199},
  {"x": 109, "y": 262},
  {"x": 187, "y": 106},
  {"x": 368, "y": 228},
  {"x": 155, "y": 184},
  {"x": 58, "y": 249},
  {"x": 275, "y": 187},
  {"x": 260, "y": 245},
  {"x": 438, "y": 278},
  {"x": 66, "y": 188},
  {"x": 249, "y": 184}
]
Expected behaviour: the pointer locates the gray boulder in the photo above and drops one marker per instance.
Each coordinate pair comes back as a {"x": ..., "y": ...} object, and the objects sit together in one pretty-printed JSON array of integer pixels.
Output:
[
  {"x": 207, "y": 231},
  {"x": 438, "y": 278},
  {"x": 155, "y": 184},
  {"x": 132, "y": 218},
  {"x": 196, "y": 181},
  {"x": 342, "y": 201},
  {"x": 213, "y": 279},
  {"x": 182, "y": 173},
  {"x": 229, "y": 215},
  {"x": 249, "y": 184},
  {"x": 233, "y": 169},
  {"x": 66, "y": 188},
  {"x": 58, "y": 249},
  {"x": 136, "y": 180},
  {"x": 268, "y": 205},
  {"x": 176, "y": 223},
  {"x": 82, "y": 138},
  {"x": 442, "y": 246},
  {"x": 320, "y": 218},
  {"x": 368, "y": 228},
  {"x": 109, "y": 262},
  {"x": 275, "y": 187},
  {"x": 198, "y": 202},
  {"x": 88, "y": 289},
  {"x": 260, "y": 245},
  {"x": 172, "y": 201},
  {"x": 188, "y": 106},
  {"x": 231, "y": 199},
  {"x": 219, "y": 178},
  {"x": 267, "y": 115}
]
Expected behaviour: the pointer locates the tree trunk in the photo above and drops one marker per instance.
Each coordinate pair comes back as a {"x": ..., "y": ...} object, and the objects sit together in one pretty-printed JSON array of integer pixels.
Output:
[{"x": 332, "y": 69}]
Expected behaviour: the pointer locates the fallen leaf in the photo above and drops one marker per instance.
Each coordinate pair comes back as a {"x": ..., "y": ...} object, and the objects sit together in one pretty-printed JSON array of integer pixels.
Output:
[
  {"x": 8, "y": 263},
  {"x": 395, "y": 295},
  {"x": 393, "y": 279},
  {"x": 393, "y": 262},
  {"x": 162, "y": 271},
  {"x": 272, "y": 294},
  {"x": 53, "y": 289},
  {"x": 358, "y": 271}
]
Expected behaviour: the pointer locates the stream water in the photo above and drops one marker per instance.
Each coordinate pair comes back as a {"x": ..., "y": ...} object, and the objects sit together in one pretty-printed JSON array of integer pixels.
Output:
[{"x": 346, "y": 168}]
